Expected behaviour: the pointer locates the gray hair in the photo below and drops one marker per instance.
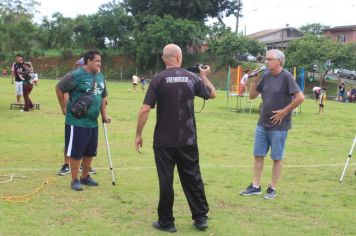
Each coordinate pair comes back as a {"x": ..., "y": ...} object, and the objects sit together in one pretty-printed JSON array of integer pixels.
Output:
[{"x": 279, "y": 55}]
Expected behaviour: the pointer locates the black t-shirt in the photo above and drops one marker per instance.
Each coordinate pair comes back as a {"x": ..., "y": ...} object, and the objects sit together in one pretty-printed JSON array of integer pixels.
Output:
[
  {"x": 174, "y": 90},
  {"x": 18, "y": 69}
]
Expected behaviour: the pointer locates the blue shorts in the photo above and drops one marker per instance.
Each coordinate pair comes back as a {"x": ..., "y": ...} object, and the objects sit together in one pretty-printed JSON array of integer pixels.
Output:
[
  {"x": 264, "y": 139},
  {"x": 80, "y": 141}
]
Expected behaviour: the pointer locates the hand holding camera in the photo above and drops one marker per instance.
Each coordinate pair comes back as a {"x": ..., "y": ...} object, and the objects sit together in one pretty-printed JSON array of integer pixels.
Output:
[{"x": 204, "y": 70}]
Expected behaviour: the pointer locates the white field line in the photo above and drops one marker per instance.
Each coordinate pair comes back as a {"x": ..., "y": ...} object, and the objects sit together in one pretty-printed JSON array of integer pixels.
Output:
[{"x": 202, "y": 166}]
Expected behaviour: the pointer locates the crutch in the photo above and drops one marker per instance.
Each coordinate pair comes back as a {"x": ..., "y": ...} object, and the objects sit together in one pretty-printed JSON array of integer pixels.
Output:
[
  {"x": 109, "y": 155},
  {"x": 348, "y": 159}
]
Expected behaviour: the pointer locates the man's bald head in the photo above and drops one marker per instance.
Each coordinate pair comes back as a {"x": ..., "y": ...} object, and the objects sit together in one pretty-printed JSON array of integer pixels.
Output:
[{"x": 172, "y": 55}]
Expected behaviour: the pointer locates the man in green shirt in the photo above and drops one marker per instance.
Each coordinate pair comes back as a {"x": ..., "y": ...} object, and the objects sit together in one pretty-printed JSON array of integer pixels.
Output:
[{"x": 81, "y": 134}]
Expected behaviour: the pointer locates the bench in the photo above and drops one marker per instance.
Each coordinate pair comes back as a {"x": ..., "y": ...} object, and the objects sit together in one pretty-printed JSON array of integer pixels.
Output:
[{"x": 21, "y": 106}]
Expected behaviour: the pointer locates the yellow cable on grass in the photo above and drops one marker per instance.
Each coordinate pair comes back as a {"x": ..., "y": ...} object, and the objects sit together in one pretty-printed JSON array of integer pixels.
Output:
[
  {"x": 10, "y": 178},
  {"x": 27, "y": 197}
]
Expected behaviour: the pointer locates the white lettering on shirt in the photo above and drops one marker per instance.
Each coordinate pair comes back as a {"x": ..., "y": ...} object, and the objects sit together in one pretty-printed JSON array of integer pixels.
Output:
[{"x": 176, "y": 80}]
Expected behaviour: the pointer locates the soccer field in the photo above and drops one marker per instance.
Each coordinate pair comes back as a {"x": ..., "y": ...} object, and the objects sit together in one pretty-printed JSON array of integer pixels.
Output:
[{"x": 310, "y": 199}]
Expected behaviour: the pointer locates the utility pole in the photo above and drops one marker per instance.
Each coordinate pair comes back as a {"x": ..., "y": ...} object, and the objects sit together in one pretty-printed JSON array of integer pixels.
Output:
[{"x": 237, "y": 14}]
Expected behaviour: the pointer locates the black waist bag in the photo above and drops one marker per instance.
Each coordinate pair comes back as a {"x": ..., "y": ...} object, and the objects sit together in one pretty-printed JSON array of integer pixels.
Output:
[{"x": 81, "y": 106}]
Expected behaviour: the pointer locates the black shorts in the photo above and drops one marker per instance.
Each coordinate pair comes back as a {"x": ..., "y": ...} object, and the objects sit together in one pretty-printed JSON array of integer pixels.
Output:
[{"x": 80, "y": 141}]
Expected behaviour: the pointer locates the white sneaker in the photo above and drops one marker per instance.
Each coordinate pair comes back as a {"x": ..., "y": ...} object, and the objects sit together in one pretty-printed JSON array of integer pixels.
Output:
[{"x": 22, "y": 110}]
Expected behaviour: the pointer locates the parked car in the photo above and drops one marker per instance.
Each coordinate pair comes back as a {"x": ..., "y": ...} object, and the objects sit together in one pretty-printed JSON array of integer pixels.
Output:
[
  {"x": 350, "y": 74},
  {"x": 245, "y": 57}
]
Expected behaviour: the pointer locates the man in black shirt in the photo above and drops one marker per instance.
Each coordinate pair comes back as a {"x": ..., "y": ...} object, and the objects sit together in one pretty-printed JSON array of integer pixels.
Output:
[
  {"x": 175, "y": 139},
  {"x": 17, "y": 70}
]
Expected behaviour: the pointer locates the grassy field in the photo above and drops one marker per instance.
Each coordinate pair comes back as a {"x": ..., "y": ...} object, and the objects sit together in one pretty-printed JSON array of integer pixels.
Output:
[{"x": 310, "y": 200}]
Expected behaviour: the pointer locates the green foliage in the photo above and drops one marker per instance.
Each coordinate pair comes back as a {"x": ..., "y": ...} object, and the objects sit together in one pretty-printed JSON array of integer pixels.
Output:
[
  {"x": 116, "y": 25},
  {"x": 318, "y": 53},
  {"x": 231, "y": 46},
  {"x": 215, "y": 34},
  {"x": 18, "y": 8},
  {"x": 66, "y": 53},
  {"x": 161, "y": 31},
  {"x": 351, "y": 50},
  {"x": 196, "y": 10},
  {"x": 313, "y": 29}
]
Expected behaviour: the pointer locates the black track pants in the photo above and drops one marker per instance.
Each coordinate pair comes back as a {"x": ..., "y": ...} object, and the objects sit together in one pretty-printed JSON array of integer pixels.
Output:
[{"x": 187, "y": 160}]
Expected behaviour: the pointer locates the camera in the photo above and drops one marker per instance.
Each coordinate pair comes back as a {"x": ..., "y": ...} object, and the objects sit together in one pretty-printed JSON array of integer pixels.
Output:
[{"x": 196, "y": 69}]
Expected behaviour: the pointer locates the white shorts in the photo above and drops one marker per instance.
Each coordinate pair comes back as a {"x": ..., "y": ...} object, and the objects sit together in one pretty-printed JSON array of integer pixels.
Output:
[{"x": 18, "y": 88}]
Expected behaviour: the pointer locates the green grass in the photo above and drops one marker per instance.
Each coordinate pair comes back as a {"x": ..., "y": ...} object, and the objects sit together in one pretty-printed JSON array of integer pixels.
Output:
[{"x": 310, "y": 200}]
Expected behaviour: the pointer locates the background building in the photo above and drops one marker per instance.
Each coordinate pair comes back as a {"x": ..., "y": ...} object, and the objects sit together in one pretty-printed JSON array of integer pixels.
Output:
[
  {"x": 277, "y": 38},
  {"x": 344, "y": 34}
]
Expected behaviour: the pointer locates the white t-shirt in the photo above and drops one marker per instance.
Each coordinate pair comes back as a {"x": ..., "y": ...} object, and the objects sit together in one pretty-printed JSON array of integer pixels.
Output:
[
  {"x": 244, "y": 79},
  {"x": 134, "y": 79}
]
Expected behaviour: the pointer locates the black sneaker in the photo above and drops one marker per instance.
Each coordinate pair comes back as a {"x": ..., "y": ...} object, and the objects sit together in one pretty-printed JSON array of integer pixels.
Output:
[
  {"x": 88, "y": 181},
  {"x": 171, "y": 228},
  {"x": 75, "y": 185},
  {"x": 271, "y": 193},
  {"x": 91, "y": 169},
  {"x": 64, "y": 170},
  {"x": 251, "y": 191},
  {"x": 201, "y": 224}
]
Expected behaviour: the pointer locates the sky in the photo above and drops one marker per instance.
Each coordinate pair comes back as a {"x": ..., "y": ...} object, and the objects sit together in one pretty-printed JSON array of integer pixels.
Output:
[{"x": 257, "y": 14}]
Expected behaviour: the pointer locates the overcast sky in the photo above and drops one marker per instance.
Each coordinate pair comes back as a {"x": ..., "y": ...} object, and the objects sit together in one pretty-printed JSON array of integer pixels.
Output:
[{"x": 257, "y": 14}]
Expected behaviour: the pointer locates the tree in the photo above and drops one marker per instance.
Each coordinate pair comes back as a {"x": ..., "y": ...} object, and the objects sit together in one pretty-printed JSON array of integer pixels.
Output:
[
  {"x": 214, "y": 35},
  {"x": 83, "y": 32},
  {"x": 314, "y": 29},
  {"x": 235, "y": 8},
  {"x": 161, "y": 31},
  {"x": 116, "y": 25},
  {"x": 22, "y": 35},
  {"x": 19, "y": 8},
  {"x": 15, "y": 24},
  {"x": 232, "y": 46},
  {"x": 61, "y": 31},
  {"x": 318, "y": 53},
  {"x": 196, "y": 10}
]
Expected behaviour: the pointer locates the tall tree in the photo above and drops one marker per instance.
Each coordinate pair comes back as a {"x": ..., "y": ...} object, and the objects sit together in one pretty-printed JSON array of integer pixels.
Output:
[
  {"x": 161, "y": 31},
  {"x": 19, "y": 8},
  {"x": 320, "y": 53},
  {"x": 116, "y": 24},
  {"x": 314, "y": 28},
  {"x": 235, "y": 8},
  {"x": 231, "y": 46},
  {"x": 215, "y": 34},
  {"x": 62, "y": 31},
  {"x": 196, "y": 10},
  {"x": 22, "y": 36},
  {"x": 83, "y": 32}
]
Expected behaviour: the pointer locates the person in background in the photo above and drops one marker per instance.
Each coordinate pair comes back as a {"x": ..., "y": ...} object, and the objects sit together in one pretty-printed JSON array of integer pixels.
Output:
[
  {"x": 342, "y": 90},
  {"x": 280, "y": 95},
  {"x": 27, "y": 86},
  {"x": 17, "y": 69},
  {"x": 143, "y": 83},
  {"x": 317, "y": 93},
  {"x": 134, "y": 82},
  {"x": 322, "y": 100},
  {"x": 80, "y": 62},
  {"x": 4, "y": 72},
  {"x": 243, "y": 82}
]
